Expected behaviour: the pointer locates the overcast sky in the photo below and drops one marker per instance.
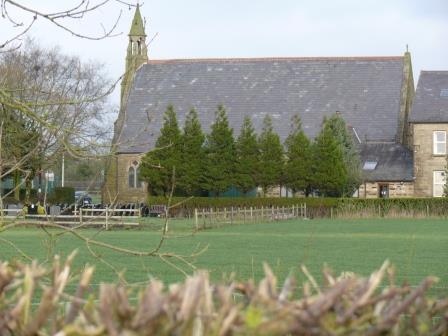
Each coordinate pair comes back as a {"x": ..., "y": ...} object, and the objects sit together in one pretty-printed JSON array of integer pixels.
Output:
[{"x": 256, "y": 28}]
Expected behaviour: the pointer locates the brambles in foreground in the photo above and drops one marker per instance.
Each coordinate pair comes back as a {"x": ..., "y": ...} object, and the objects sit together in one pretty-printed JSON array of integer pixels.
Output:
[{"x": 348, "y": 305}]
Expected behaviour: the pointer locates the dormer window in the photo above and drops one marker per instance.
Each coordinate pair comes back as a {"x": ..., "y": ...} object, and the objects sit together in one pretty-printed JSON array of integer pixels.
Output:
[{"x": 439, "y": 143}]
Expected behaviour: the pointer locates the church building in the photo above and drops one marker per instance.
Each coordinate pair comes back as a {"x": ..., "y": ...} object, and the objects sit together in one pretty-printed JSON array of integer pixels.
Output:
[{"x": 373, "y": 94}]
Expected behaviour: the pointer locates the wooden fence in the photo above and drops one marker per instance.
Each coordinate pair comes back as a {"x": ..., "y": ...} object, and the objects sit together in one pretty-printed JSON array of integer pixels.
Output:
[
  {"x": 108, "y": 217},
  {"x": 83, "y": 217},
  {"x": 210, "y": 218}
]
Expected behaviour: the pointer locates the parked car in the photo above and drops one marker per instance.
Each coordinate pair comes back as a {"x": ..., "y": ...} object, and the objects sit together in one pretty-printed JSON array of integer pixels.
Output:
[{"x": 83, "y": 198}]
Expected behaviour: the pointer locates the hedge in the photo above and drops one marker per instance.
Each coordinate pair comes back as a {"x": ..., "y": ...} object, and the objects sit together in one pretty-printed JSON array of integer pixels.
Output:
[
  {"x": 62, "y": 195},
  {"x": 320, "y": 207},
  {"x": 413, "y": 207},
  {"x": 187, "y": 205},
  {"x": 39, "y": 301},
  {"x": 216, "y": 202}
]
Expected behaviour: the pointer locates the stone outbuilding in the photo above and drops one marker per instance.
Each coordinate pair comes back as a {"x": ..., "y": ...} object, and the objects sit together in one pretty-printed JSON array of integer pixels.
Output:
[{"x": 387, "y": 171}]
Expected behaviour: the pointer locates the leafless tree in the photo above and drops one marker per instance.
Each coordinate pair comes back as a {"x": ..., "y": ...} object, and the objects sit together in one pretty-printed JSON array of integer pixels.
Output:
[
  {"x": 23, "y": 17},
  {"x": 54, "y": 103}
]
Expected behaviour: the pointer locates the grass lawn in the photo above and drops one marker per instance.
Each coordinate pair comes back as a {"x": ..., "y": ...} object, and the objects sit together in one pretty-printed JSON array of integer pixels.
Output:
[{"x": 416, "y": 247}]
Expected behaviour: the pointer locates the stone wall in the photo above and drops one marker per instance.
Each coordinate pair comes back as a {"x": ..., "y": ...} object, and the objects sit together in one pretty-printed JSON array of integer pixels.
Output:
[
  {"x": 396, "y": 189},
  {"x": 116, "y": 187},
  {"x": 425, "y": 162}
]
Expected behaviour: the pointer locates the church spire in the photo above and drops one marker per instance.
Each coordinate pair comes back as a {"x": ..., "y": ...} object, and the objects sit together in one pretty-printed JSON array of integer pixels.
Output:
[
  {"x": 137, "y": 27},
  {"x": 137, "y": 53}
]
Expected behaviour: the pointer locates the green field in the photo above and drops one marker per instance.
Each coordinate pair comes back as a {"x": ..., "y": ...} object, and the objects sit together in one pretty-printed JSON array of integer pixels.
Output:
[{"x": 416, "y": 247}]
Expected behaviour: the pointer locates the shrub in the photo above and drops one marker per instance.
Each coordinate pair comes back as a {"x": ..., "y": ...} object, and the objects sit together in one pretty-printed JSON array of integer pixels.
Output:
[{"x": 62, "y": 195}]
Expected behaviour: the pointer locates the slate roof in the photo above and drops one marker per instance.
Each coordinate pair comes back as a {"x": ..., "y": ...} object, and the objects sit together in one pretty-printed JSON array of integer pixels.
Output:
[
  {"x": 394, "y": 162},
  {"x": 429, "y": 104},
  {"x": 365, "y": 90}
]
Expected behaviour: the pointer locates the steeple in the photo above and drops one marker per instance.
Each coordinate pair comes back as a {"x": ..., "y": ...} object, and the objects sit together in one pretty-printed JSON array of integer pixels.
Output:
[
  {"x": 137, "y": 28},
  {"x": 137, "y": 53}
]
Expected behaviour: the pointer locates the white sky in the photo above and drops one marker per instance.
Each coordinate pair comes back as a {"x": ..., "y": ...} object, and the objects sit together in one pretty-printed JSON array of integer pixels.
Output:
[{"x": 256, "y": 28}]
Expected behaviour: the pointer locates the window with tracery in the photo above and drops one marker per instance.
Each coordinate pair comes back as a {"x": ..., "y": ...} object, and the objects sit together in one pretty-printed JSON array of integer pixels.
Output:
[{"x": 134, "y": 180}]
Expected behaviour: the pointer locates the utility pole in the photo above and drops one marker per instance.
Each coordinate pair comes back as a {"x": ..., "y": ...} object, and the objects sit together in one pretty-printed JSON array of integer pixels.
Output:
[{"x": 63, "y": 170}]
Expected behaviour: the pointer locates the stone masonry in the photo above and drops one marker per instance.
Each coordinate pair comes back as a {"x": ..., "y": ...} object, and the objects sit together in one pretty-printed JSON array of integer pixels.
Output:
[
  {"x": 117, "y": 188},
  {"x": 425, "y": 162},
  {"x": 396, "y": 189}
]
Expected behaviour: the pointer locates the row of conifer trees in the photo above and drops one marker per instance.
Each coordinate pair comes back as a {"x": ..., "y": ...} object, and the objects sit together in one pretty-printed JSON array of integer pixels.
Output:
[{"x": 196, "y": 162}]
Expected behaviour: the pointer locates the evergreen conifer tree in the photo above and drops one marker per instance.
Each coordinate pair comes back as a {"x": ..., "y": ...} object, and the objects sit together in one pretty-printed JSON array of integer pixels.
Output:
[
  {"x": 271, "y": 157},
  {"x": 220, "y": 155},
  {"x": 247, "y": 158},
  {"x": 157, "y": 165},
  {"x": 192, "y": 155},
  {"x": 298, "y": 169},
  {"x": 330, "y": 173},
  {"x": 350, "y": 153}
]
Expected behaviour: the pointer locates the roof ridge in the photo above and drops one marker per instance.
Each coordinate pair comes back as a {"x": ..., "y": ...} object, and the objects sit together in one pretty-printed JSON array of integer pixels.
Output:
[
  {"x": 433, "y": 71},
  {"x": 264, "y": 59}
]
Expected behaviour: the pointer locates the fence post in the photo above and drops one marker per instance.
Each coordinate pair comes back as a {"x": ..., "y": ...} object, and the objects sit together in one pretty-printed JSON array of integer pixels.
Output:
[
  {"x": 305, "y": 211},
  {"x": 80, "y": 216},
  {"x": 331, "y": 212},
  {"x": 211, "y": 217},
  {"x": 203, "y": 218},
  {"x": 107, "y": 218},
  {"x": 231, "y": 215},
  {"x": 196, "y": 224},
  {"x": 251, "y": 214}
]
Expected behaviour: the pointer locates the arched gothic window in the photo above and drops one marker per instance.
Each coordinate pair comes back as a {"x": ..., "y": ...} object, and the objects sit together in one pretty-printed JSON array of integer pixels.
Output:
[
  {"x": 134, "y": 180},
  {"x": 131, "y": 177}
]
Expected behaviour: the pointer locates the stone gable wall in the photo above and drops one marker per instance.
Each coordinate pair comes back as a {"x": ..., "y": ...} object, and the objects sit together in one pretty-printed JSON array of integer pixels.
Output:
[{"x": 425, "y": 162}]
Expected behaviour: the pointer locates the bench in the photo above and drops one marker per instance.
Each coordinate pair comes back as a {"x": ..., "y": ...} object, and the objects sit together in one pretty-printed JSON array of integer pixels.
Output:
[{"x": 157, "y": 210}]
